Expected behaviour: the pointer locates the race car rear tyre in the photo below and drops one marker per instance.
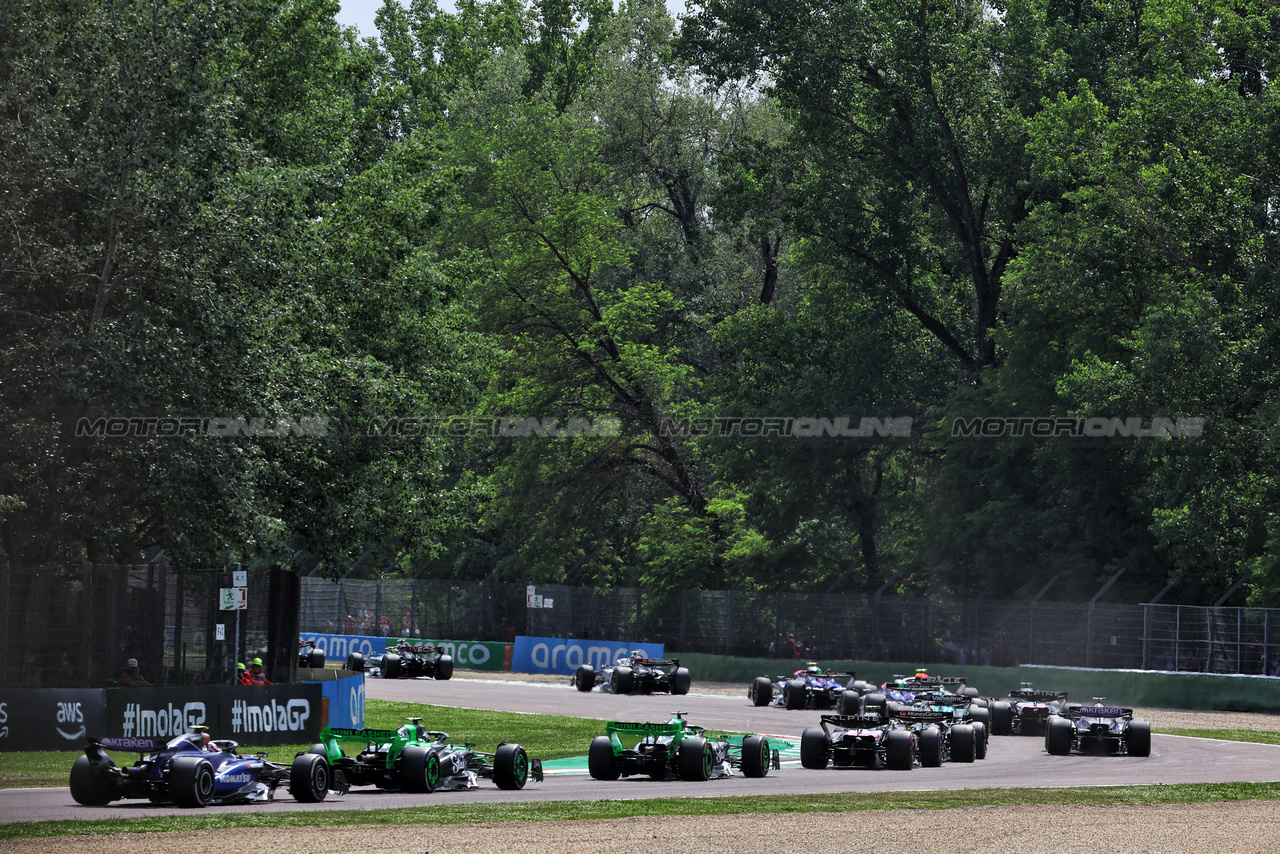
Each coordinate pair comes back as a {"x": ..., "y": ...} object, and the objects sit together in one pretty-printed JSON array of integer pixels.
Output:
[
  {"x": 980, "y": 716},
  {"x": 90, "y": 789},
  {"x": 680, "y": 681},
  {"x": 191, "y": 781},
  {"x": 859, "y": 685},
  {"x": 813, "y": 748},
  {"x": 1137, "y": 738},
  {"x": 601, "y": 763},
  {"x": 319, "y": 750},
  {"x": 419, "y": 769},
  {"x": 1001, "y": 718},
  {"x": 309, "y": 778},
  {"x": 355, "y": 662},
  {"x": 621, "y": 680},
  {"x": 931, "y": 747},
  {"x": 694, "y": 758},
  {"x": 874, "y": 704},
  {"x": 315, "y": 660},
  {"x": 761, "y": 691},
  {"x": 971, "y": 693},
  {"x": 444, "y": 667},
  {"x": 850, "y": 701},
  {"x": 584, "y": 679},
  {"x": 390, "y": 666},
  {"x": 510, "y": 767},
  {"x": 1057, "y": 736},
  {"x": 897, "y": 750},
  {"x": 793, "y": 694},
  {"x": 963, "y": 747},
  {"x": 755, "y": 756},
  {"x": 979, "y": 740}
]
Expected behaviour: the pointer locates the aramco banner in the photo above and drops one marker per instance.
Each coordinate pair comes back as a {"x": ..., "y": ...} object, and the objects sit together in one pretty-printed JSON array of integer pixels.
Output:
[{"x": 564, "y": 655}]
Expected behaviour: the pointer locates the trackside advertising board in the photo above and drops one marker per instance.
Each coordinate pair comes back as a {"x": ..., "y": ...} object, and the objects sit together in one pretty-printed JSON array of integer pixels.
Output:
[
  {"x": 346, "y": 701},
  {"x": 258, "y": 715},
  {"x": 564, "y": 655},
  {"x": 49, "y": 718},
  {"x": 338, "y": 647},
  {"x": 469, "y": 655}
]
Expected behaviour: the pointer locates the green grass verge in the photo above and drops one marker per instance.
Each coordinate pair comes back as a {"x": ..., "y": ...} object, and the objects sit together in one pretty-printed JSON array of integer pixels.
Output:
[
  {"x": 544, "y": 736},
  {"x": 1252, "y": 736},
  {"x": 443, "y": 813}
]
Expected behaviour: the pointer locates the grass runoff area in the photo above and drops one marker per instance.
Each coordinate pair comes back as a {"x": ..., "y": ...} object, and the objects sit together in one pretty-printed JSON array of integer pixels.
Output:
[{"x": 557, "y": 737}]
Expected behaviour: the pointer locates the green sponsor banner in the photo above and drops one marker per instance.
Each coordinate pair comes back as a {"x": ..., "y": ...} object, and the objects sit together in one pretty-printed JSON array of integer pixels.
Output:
[{"x": 469, "y": 655}]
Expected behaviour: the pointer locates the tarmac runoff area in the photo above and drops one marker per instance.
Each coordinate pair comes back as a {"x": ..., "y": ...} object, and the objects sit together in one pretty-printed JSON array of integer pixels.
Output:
[{"x": 1012, "y": 762}]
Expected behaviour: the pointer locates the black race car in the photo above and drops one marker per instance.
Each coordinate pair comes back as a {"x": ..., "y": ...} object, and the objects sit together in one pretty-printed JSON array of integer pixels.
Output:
[
  {"x": 1025, "y": 711},
  {"x": 1097, "y": 729},
  {"x": 408, "y": 661},
  {"x": 635, "y": 673},
  {"x": 858, "y": 741}
]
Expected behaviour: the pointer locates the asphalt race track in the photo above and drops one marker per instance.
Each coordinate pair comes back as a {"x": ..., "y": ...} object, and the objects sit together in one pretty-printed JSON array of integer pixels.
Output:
[{"x": 1012, "y": 761}]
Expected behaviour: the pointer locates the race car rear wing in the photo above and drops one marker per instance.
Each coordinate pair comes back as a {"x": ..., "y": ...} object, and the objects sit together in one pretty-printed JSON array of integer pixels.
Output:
[
  {"x": 919, "y": 715},
  {"x": 657, "y": 662},
  {"x": 1077, "y": 712},
  {"x": 1032, "y": 696}
]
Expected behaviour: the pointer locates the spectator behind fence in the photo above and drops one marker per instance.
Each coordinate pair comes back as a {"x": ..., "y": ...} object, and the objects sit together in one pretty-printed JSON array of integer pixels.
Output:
[
  {"x": 131, "y": 676},
  {"x": 242, "y": 675}
]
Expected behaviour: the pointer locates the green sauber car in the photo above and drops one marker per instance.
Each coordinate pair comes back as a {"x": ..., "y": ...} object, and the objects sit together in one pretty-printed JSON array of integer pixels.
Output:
[
  {"x": 676, "y": 748},
  {"x": 415, "y": 759}
]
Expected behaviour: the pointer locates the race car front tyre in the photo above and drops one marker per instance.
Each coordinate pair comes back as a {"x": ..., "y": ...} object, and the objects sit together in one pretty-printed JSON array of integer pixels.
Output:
[
  {"x": 680, "y": 681},
  {"x": 355, "y": 662},
  {"x": 979, "y": 740},
  {"x": 793, "y": 694},
  {"x": 309, "y": 778},
  {"x": 584, "y": 679},
  {"x": 90, "y": 789},
  {"x": 444, "y": 667},
  {"x": 601, "y": 763},
  {"x": 761, "y": 691},
  {"x": 694, "y": 758},
  {"x": 813, "y": 748},
  {"x": 1057, "y": 736},
  {"x": 316, "y": 659},
  {"x": 755, "y": 756},
  {"x": 419, "y": 769},
  {"x": 621, "y": 680},
  {"x": 931, "y": 747},
  {"x": 1001, "y": 718},
  {"x": 510, "y": 767},
  {"x": 963, "y": 747},
  {"x": 390, "y": 666},
  {"x": 897, "y": 749},
  {"x": 191, "y": 781},
  {"x": 1137, "y": 738}
]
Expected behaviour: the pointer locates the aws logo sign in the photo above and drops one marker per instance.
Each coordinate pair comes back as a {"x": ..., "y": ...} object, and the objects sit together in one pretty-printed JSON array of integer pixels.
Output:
[{"x": 71, "y": 721}]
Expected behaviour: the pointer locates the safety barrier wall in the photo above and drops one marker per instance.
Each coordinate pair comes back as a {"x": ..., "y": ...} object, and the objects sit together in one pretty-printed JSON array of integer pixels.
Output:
[
  {"x": 63, "y": 719},
  {"x": 1230, "y": 692}
]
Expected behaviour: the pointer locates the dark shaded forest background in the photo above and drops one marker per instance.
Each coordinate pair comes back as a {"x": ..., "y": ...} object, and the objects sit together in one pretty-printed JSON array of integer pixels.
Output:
[{"x": 235, "y": 209}]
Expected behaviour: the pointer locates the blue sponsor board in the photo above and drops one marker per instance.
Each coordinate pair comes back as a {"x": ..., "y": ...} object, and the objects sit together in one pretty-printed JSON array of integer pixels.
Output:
[
  {"x": 560, "y": 655},
  {"x": 338, "y": 647},
  {"x": 346, "y": 701}
]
